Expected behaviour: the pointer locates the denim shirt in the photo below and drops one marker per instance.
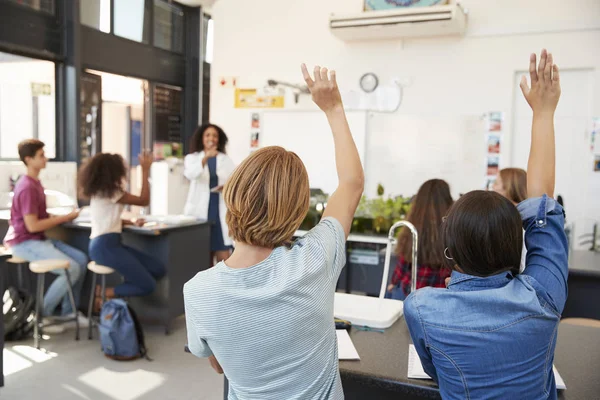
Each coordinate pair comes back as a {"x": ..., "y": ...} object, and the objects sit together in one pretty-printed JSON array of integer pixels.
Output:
[{"x": 494, "y": 337}]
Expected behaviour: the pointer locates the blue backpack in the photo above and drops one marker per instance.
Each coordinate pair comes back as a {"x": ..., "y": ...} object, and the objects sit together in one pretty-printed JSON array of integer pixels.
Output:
[{"x": 121, "y": 334}]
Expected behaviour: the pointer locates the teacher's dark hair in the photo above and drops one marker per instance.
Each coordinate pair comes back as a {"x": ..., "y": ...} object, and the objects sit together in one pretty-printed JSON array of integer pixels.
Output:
[
  {"x": 484, "y": 235},
  {"x": 196, "y": 143}
]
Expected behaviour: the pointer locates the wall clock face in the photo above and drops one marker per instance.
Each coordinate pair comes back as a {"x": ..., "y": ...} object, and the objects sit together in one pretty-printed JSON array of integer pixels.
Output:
[{"x": 369, "y": 82}]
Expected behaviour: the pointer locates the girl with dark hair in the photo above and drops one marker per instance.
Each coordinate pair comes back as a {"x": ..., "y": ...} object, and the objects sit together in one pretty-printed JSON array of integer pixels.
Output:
[
  {"x": 102, "y": 180},
  {"x": 208, "y": 168},
  {"x": 492, "y": 332},
  {"x": 430, "y": 205}
]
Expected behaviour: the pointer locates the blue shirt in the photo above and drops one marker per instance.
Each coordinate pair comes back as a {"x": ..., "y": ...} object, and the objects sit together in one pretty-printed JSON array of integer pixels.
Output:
[{"x": 494, "y": 337}]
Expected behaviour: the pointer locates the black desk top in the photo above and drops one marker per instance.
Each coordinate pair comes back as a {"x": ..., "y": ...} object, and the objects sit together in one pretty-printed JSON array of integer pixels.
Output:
[
  {"x": 585, "y": 262},
  {"x": 384, "y": 362},
  {"x": 153, "y": 231}
]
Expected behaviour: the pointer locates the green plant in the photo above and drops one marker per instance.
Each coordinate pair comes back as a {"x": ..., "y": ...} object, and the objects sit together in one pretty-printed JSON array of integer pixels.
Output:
[{"x": 382, "y": 211}]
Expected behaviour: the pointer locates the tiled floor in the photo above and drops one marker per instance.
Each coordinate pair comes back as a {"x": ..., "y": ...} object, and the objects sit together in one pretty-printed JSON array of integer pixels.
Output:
[{"x": 70, "y": 370}]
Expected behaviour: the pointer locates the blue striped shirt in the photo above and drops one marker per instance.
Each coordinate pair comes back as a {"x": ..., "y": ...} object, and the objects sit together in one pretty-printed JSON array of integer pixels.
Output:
[{"x": 270, "y": 326}]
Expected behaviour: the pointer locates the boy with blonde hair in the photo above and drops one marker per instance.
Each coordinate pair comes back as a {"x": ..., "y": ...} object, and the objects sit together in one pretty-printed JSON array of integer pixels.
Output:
[{"x": 265, "y": 315}]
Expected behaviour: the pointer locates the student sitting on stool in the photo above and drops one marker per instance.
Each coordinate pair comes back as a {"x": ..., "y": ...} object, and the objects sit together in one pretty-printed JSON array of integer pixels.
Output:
[
  {"x": 102, "y": 180},
  {"x": 25, "y": 237}
]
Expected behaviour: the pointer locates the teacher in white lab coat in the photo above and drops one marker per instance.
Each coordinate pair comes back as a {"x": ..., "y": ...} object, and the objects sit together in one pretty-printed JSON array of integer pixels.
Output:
[{"x": 208, "y": 168}]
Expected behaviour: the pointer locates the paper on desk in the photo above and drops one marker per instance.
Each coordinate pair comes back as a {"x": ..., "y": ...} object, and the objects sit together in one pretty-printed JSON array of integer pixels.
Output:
[
  {"x": 415, "y": 369},
  {"x": 346, "y": 349}
]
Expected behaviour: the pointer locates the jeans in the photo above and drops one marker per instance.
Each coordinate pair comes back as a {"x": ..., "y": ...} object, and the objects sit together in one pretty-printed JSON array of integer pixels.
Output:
[
  {"x": 396, "y": 293},
  {"x": 139, "y": 270},
  {"x": 35, "y": 250}
]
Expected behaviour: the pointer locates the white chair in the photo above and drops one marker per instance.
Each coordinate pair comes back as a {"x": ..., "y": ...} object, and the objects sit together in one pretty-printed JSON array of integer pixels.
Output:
[
  {"x": 101, "y": 270},
  {"x": 41, "y": 267}
]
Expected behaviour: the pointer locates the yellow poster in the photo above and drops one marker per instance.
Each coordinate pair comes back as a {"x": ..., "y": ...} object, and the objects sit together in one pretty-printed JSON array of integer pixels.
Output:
[{"x": 251, "y": 98}]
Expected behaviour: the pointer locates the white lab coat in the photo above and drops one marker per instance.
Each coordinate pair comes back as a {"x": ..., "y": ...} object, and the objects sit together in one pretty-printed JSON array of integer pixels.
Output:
[{"x": 199, "y": 193}]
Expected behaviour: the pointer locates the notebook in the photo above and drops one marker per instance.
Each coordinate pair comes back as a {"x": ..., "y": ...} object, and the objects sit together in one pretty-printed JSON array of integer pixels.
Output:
[
  {"x": 415, "y": 369},
  {"x": 346, "y": 349}
]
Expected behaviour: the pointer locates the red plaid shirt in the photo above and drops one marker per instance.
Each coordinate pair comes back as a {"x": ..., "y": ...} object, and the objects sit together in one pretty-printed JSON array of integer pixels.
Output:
[{"x": 426, "y": 276}]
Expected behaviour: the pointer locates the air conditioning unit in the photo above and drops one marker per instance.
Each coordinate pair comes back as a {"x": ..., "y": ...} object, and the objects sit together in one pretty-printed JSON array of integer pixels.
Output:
[{"x": 400, "y": 23}]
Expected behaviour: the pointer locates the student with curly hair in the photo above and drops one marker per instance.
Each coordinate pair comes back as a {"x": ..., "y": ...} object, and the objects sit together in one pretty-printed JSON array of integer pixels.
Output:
[{"x": 102, "y": 180}]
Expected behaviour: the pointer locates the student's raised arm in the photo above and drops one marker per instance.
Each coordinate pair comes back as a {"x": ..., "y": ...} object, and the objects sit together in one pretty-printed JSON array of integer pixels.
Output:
[
  {"x": 343, "y": 202},
  {"x": 543, "y": 97},
  {"x": 543, "y": 218}
]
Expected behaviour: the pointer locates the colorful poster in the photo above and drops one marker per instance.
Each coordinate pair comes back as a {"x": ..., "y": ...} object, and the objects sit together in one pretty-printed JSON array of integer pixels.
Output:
[
  {"x": 494, "y": 122},
  {"x": 493, "y": 163},
  {"x": 372, "y": 5},
  {"x": 254, "y": 131},
  {"x": 494, "y": 144},
  {"x": 251, "y": 98}
]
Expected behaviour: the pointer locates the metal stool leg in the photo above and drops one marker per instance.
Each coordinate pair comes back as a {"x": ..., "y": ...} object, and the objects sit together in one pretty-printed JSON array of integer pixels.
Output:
[
  {"x": 103, "y": 277},
  {"x": 37, "y": 328},
  {"x": 72, "y": 298},
  {"x": 20, "y": 276},
  {"x": 91, "y": 305}
]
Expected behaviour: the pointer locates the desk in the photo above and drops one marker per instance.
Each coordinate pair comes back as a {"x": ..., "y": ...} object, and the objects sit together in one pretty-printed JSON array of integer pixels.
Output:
[
  {"x": 184, "y": 249},
  {"x": 381, "y": 372},
  {"x": 382, "y": 369},
  {"x": 584, "y": 285}
]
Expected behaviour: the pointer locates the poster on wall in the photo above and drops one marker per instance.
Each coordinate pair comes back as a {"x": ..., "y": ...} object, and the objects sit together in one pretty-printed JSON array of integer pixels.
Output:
[
  {"x": 374, "y": 5},
  {"x": 253, "y": 98},
  {"x": 254, "y": 131},
  {"x": 494, "y": 124}
]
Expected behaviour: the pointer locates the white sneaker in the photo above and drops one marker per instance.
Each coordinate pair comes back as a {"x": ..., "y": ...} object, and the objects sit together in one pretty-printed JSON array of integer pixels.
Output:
[
  {"x": 52, "y": 329},
  {"x": 83, "y": 322}
]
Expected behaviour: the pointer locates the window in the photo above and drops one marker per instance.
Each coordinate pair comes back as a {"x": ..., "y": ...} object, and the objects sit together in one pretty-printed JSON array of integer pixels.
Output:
[
  {"x": 131, "y": 20},
  {"x": 27, "y": 103},
  {"x": 208, "y": 39},
  {"x": 38, "y": 5},
  {"x": 96, "y": 14},
  {"x": 168, "y": 26}
]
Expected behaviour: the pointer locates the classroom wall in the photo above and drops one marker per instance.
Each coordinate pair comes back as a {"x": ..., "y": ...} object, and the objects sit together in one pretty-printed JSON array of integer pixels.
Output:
[{"x": 444, "y": 77}]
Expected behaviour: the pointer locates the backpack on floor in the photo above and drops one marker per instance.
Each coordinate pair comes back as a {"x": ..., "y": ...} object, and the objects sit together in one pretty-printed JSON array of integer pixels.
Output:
[
  {"x": 18, "y": 313},
  {"x": 121, "y": 334}
]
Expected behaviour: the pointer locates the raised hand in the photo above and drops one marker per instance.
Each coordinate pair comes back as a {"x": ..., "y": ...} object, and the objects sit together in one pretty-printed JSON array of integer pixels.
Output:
[
  {"x": 324, "y": 89},
  {"x": 146, "y": 159},
  {"x": 544, "y": 92}
]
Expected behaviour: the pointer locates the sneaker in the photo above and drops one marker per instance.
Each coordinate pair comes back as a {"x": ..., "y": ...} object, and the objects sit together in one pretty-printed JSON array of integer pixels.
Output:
[
  {"x": 52, "y": 329},
  {"x": 83, "y": 322}
]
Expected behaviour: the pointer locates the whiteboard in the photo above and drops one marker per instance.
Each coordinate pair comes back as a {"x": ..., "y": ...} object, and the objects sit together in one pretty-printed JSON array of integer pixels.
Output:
[{"x": 307, "y": 134}]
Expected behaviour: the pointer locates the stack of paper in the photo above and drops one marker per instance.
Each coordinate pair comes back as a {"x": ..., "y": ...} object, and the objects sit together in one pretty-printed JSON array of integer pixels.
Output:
[
  {"x": 415, "y": 369},
  {"x": 346, "y": 349}
]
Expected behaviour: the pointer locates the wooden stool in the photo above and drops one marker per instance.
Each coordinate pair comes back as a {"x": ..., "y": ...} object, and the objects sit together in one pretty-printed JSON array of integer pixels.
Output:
[
  {"x": 40, "y": 268},
  {"x": 102, "y": 271}
]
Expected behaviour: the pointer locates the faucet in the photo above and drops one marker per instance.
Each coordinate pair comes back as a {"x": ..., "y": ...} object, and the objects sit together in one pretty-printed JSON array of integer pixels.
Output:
[{"x": 388, "y": 256}]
